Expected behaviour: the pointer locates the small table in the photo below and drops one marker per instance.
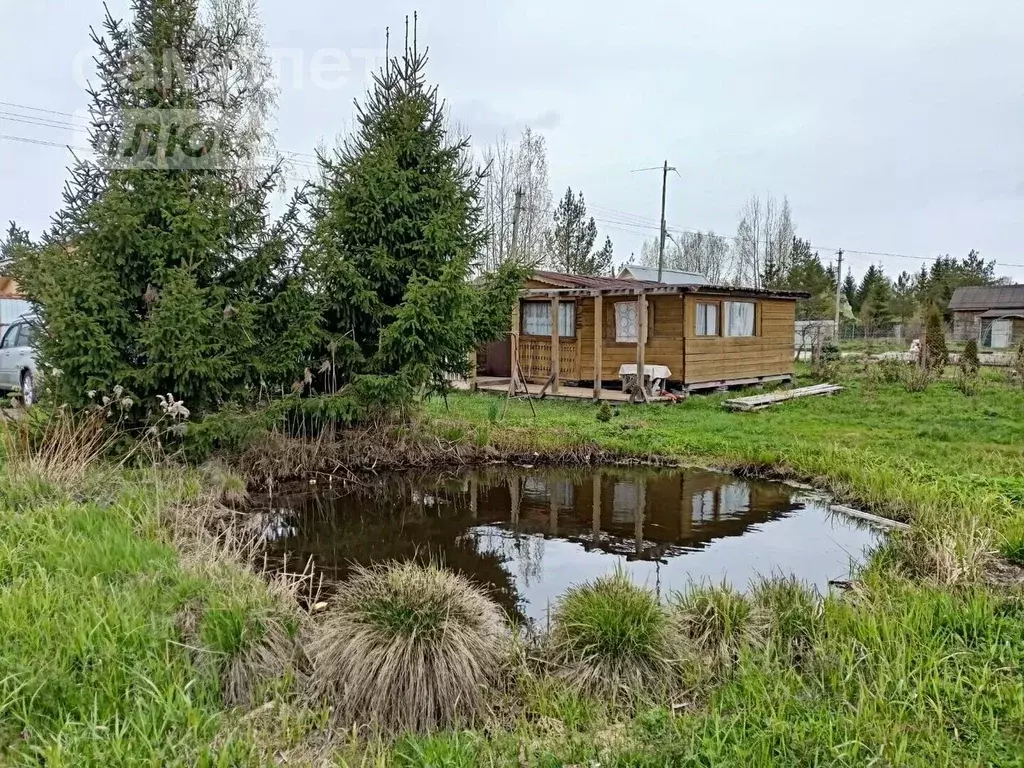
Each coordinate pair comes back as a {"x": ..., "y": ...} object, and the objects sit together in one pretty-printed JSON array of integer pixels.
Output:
[{"x": 655, "y": 377}]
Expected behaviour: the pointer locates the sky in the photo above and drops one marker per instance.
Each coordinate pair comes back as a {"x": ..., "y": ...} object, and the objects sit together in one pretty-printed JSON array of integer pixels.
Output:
[{"x": 893, "y": 128}]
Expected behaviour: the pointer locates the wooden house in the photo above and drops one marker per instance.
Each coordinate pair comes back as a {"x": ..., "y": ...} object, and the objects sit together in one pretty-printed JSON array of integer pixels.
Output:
[
  {"x": 684, "y": 337},
  {"x": 992, "y": 315}
]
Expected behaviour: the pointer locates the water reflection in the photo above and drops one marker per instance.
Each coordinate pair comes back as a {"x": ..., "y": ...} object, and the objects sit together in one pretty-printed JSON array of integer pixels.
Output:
[{"x": 529, "y": 535}]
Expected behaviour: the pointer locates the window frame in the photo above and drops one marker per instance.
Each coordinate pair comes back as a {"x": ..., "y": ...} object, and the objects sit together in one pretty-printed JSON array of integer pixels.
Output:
[
  {"x": 571, "y": 320},
  {"x": 13, "y": 332},
  {"x": 725, "y": 320},
  {"x": 614, "y": 339},
  {"x": 718, "y": 319}
]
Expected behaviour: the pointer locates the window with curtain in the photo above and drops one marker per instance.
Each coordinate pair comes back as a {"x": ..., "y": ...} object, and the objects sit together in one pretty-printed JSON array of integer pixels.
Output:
[
  {"x": 739, "y": 318},
  {"x": 625, "y": 321},
  {"x": 537, "y": 318},
  {"x": 707, "y": 319}
]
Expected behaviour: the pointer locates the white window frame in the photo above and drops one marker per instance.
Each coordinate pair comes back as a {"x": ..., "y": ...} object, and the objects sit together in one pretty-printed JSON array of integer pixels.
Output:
[
  {"x": 539, "y": 323},
  {"x": 728, "y": 319},
  {"x": 631, "y": 338},
  {"x": 702, "y": 319}
]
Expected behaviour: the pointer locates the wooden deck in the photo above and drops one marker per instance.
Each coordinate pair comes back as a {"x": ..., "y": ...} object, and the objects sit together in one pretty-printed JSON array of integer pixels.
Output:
[{"x": 500, "y": 385}]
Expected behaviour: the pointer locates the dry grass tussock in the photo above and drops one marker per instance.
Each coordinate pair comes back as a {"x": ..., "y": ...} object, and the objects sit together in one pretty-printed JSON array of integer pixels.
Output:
[
  {"x": 947, "y": 555},
  {"x": 613, "y": 638},
  {"x": 718, "y": 623},
  {"x": 266, "y": 647},
  {"x": 61, "y": 448},
  {"x": 407, "y": 647}
]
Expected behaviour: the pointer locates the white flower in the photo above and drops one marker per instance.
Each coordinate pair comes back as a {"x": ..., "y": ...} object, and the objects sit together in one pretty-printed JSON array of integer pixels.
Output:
[
  {"x": 106, "y": 401},
  {"x": 56, "y": 372},
  {"x": 91, "y": 393},
  {"x": 127, "y": 402},
  {"x": 118, "y": 390}
]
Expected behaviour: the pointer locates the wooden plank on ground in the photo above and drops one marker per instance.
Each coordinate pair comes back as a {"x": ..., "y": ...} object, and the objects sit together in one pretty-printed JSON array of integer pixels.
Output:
[{"x": 760, "y": 402}]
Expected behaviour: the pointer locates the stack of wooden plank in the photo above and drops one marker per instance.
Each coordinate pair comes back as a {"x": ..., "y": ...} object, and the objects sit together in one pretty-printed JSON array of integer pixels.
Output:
[{"x": 760, "y": 402}]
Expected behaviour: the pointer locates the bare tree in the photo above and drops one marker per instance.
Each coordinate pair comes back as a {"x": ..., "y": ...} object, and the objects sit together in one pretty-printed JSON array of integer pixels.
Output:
[
  {"x": 243, "y": 94},
  {"x": 764, "y": 241},
  {"x": 511, "y": 167},
  {"x": 706, "y": 253}
]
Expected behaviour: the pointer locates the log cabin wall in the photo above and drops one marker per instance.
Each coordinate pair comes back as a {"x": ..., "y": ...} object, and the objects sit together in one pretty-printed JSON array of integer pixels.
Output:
[
  {"x": 721, "y": 358},
  {"x": 664, "y": 338}
]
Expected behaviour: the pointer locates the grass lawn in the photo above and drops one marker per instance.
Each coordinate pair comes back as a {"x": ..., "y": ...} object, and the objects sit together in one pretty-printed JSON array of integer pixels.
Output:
[{"x": 96, "y": 668}]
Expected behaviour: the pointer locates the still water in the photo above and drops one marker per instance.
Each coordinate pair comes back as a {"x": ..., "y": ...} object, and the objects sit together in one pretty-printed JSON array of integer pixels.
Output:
[{"x": 528, "y": 535}]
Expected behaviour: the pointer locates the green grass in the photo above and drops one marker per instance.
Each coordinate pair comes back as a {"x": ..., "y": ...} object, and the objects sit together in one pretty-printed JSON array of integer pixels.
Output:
[{"x": 94, "y": 669}]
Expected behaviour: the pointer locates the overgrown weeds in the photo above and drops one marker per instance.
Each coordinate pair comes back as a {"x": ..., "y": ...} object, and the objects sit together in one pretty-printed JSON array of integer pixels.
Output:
[
  {"x": 718, "y": 623},
  {"x": 406, "y": 647},
  {"x": 945, "y": 553},
  {"x": 611, "y": 637},
  {"x": 58, "y": 448}
]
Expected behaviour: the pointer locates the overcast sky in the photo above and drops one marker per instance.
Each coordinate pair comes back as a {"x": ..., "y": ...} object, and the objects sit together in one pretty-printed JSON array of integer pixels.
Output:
[{"x": 891, "y": 126}]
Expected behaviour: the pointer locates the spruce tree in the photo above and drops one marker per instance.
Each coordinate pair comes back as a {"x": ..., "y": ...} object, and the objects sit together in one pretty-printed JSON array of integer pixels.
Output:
[
  {"x": 161, "y": 273},
  {"x": 936, "y": 355},
  {"x": 395, "y": 223},
  {"x": 572, "y": 241},
  {"x": 12, "y": 246}
]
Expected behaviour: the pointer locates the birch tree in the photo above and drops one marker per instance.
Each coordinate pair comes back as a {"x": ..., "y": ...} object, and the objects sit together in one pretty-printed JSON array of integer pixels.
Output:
[{"x": 519, "y": 166}]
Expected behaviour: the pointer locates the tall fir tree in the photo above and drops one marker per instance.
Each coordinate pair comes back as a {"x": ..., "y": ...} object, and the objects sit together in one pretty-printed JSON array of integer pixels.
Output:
[
  {"x": 13, "y": 246},
  {"x": 850, "y": 291},
  {"x": 161, "y": 273},
  {"x": 572, "y": 241},
  {"x": 395, "y": 223}
]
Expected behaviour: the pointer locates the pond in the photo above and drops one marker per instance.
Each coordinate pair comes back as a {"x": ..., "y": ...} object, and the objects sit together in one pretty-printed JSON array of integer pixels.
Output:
[{"x": 527, "y": 535}]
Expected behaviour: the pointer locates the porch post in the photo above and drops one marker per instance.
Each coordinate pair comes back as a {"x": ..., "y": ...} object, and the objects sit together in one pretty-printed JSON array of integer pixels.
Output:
[
  {"x": 514, "y": 338},
  {"x": 640, "y": 392},
  {"x": 598, "y": 343},
  {"x": 555, "y": 351}
]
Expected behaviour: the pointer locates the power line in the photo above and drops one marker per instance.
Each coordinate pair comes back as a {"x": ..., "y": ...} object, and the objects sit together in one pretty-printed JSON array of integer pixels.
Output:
[{"x": 615, "y": 219}]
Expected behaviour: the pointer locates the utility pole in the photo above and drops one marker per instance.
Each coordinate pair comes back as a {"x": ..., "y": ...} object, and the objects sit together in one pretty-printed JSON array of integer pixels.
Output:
[
  {"x": 839, "y": 289},
  {"x": 516, "y": 213},
  {"x": 664, "y": 226}
]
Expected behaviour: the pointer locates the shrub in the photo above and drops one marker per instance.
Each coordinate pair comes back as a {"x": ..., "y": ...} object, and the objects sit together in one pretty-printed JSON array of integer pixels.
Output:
[
  {"x": 719, "y": 622},
  {"x": 611, "y": 637},
  {"x": 936, "y": 356},
  {"x": 604, "y": 412},
  {"x": 916, "y": 378},
  {"x": 1018, "y": 363},
  {"x": 407, "y": 647},
  {"x": 966, "y": 380},
  {"x": 825, "y": 362},
  {"x": 890, "y": 371},
  {"x": 969, "y": 358}
]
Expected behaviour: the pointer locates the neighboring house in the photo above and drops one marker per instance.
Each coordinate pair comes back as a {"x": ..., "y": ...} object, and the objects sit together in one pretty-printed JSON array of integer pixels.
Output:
[
  {"x": 705, "y": 336},
  {"x": 993, "y": 315},
  {"x": 668, "y": 276},
  {"x": 12, "y": 304}
]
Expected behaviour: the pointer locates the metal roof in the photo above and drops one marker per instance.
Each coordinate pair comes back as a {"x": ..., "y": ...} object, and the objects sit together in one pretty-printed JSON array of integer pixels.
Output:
[
  {"x": 586, "y": 284},
  {"x": 668, "y": 276},
  {"x": 982, "y": 297},
  {"x": 589, "y": 281}
]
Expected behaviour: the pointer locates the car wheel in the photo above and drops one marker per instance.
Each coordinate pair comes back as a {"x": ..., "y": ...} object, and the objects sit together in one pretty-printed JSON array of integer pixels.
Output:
[{"x": 28, "y": 389}]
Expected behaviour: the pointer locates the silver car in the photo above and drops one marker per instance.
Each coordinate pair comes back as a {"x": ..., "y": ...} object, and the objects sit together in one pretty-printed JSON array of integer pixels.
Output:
[{"x": 18, "y": 359}]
